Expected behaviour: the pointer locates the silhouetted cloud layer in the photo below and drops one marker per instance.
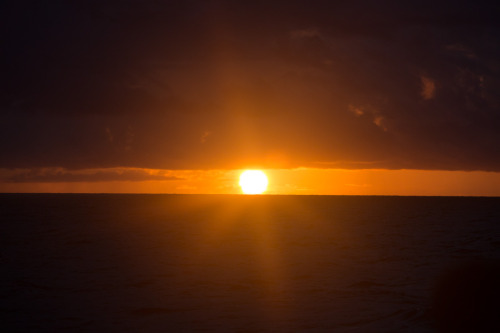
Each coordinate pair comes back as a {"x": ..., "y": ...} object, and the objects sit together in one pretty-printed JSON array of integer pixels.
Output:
[
  {"x": 220, "y": 84},
  {"x": 56, "y": 175}
]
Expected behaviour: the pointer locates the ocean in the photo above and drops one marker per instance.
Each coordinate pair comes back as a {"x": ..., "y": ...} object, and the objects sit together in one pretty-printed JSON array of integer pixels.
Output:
[{"x": 235, "y": 263}]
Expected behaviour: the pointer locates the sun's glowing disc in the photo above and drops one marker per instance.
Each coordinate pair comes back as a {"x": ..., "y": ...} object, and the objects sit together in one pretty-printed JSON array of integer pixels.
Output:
[{"x": 253, "y": 182}]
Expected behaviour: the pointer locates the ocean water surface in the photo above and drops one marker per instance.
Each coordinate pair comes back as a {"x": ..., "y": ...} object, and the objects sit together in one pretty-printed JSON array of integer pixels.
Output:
[{"x": 215, "y": 263}]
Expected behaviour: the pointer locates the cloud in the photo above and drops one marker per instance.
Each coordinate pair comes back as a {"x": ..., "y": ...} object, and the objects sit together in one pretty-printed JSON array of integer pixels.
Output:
[
  {"x": 58, "y": 175},
  {"x": 428, "y": 88},
  {"x": 205, "y": 85},
  {"x": 358, "y": 111},
  {"x": 204, "y": 136},
  {"x": 305, "y": 33}
]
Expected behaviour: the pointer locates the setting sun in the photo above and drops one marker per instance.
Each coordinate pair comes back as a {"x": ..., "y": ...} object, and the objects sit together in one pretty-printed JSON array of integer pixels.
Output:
[{"x": 253, "y": 182}]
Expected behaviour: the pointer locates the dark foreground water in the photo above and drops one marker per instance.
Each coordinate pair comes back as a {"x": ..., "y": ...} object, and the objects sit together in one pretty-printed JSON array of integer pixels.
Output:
[{"x": 173, "y": 263}]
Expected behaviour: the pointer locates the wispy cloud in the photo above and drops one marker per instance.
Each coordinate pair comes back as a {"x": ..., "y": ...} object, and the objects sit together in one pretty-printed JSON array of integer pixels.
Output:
[{"x": 428, "y": 88}]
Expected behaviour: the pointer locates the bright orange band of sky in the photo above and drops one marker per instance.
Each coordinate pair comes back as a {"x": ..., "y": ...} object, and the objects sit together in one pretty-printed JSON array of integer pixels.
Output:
[{"x": 305, "y": 181}]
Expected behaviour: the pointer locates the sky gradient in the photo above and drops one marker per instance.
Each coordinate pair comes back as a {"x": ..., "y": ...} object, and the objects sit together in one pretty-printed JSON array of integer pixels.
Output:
[{"x": 100, "y": 94}]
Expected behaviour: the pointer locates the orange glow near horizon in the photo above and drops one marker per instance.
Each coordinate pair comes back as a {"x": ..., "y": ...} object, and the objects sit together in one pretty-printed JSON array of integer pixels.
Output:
[{"x": 307, "y": 181}]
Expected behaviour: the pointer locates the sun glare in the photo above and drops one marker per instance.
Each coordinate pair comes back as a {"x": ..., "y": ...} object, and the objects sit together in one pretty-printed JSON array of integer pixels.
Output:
[{"x": 253, "y": 182}]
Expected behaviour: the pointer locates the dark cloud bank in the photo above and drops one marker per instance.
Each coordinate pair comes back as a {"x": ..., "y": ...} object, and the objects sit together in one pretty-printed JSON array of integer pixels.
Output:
[
  {"x": 214, "y": 84},
  {"x": 57, "y": 175}
]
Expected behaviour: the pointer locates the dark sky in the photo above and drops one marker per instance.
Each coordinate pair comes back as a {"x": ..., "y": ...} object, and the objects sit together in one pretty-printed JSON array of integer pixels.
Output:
[{"x": 232, "y": 84}]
